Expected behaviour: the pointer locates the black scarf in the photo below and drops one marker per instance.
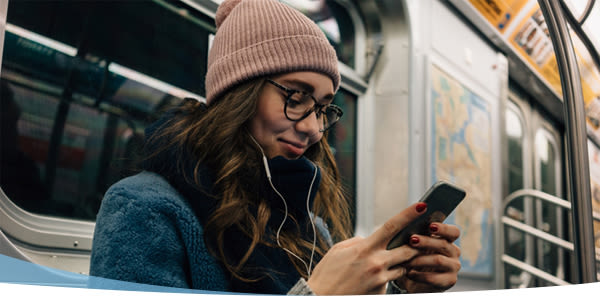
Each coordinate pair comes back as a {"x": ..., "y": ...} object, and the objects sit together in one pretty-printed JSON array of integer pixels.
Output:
[{"x": 292, "y": 178}]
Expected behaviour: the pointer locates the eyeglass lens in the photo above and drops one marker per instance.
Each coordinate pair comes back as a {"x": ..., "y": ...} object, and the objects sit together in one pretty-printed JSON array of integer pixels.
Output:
[{"x": 299, "y": 105}]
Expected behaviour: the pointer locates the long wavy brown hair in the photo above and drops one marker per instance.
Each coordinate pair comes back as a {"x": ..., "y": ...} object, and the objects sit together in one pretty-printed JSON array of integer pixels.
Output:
[{"x": 217, "y": 136}]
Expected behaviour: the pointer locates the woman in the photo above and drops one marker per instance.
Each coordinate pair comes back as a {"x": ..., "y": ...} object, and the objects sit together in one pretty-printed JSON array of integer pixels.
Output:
[{"x": 243, "y": 194}]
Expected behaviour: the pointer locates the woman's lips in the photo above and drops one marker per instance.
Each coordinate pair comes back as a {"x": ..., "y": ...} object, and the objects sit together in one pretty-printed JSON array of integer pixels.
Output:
[{"x": 295, "y": 149}]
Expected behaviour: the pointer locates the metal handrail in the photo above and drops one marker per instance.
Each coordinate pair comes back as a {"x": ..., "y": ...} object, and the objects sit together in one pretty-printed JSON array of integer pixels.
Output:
[
  {"x": 535, "y": 232},
  {"x": 532, "y": 270},
  {"x": 577, "y": 160},
  {"x": 586, "y": 11},
  {"x": 543, "y": 196},
  {"x": 538, "y": 233}
]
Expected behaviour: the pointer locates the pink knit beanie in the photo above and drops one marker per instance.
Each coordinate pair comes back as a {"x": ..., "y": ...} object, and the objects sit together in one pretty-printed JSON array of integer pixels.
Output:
[{"x": 263, "y": 37}]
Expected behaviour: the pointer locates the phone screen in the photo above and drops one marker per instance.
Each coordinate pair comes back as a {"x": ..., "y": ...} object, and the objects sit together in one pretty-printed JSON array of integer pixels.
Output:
[{"x": 441, "y": 199}]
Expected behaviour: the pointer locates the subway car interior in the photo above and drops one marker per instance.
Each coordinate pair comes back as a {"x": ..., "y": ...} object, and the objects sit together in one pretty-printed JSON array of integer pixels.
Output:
[{"x": 479, "y": 93}]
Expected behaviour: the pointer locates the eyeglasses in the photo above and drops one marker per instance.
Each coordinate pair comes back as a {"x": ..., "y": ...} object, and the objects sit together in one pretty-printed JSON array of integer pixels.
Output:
[{"x": 300, "y": 104}]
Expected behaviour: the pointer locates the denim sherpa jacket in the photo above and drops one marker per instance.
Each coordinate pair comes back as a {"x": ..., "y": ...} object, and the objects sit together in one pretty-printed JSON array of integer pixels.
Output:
[{"x": 147, "y": 233}]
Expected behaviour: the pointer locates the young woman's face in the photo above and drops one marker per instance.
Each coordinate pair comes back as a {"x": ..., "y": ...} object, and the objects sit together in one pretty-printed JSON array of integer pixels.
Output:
[{"x": 275, "y": 133}]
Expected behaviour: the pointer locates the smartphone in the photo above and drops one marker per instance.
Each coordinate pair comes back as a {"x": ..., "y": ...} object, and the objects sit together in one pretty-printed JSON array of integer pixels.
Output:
[{"x": 441, "y": 199}]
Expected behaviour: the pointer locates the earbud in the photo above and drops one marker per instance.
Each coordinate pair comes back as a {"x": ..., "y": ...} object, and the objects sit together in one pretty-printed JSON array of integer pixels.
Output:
[{"x": 264, "y": 158}]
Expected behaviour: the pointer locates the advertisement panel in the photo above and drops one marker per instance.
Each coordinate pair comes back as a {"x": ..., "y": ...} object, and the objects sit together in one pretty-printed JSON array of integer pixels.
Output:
[{"x": 530, "y": 39}]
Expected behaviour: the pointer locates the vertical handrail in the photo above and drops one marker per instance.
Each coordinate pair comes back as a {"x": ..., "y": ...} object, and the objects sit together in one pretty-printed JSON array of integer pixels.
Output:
[{"x": 576, "y": 135}]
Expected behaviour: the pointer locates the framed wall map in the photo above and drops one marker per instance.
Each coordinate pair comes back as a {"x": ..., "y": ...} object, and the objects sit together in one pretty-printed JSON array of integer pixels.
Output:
[{"x": 461, "y": 153}]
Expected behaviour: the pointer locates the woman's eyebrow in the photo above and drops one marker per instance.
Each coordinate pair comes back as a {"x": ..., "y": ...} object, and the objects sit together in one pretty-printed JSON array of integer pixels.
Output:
[
  {"x": 328, "y": 98},
  {"x": 306, "y": 87},
  {"x": 299, "y": 85}
]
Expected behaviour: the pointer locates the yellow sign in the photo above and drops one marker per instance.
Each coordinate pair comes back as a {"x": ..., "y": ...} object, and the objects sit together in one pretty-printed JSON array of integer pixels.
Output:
[
  {"x": 590, "y": 85},
  {"x": 594, "y": 155},
  {"x": 531, "y": 39},
  {"x": 499, "y": 13}
]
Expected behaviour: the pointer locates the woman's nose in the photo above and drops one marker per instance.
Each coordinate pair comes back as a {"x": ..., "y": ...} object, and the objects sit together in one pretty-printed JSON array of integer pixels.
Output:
[{"x": 310, "y": 125}]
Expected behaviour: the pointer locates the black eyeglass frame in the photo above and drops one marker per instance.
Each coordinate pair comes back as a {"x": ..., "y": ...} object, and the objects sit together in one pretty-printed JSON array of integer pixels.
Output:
[{"x": 317, "y": 108}]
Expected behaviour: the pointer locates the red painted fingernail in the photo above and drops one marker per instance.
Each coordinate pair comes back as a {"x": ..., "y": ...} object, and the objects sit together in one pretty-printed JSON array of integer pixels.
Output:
[
  {"x": 421, "y": 207},
  {"x": 433, "y": 228},
  {"x": 414, "y": 240}
]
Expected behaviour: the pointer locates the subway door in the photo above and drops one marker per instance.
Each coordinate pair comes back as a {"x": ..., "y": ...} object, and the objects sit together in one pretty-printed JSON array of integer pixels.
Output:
[{"x": 533, "y": 148}]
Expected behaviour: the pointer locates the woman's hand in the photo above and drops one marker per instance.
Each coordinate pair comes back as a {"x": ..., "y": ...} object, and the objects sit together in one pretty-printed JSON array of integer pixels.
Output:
[
  {"x": 360, "y": 266},
  {"x": 436, "y": 267}
]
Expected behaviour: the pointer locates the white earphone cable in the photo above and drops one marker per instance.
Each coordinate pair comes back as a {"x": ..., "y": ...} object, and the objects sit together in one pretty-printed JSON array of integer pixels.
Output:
[{"x": 268, "y": 172}]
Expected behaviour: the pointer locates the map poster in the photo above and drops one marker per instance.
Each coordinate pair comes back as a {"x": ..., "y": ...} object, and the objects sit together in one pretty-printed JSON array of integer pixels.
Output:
[{"x": 461, "y": 153}]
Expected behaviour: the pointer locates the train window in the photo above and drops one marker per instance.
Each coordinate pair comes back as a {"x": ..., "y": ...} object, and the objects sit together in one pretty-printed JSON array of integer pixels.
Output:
[
  {"x": 515, "y": 135},
  {"x": 151, "y": 37},
  {"x": 342, "y": 140},
  {"x": 515, "y": 239},
  {"x": 20, "y": 176},
  {"x": 82, "y": 89},
  {"x": 548, "y": 217},
  {"x": 335, "y": 22},
  {"x": 545, "y": 152}
]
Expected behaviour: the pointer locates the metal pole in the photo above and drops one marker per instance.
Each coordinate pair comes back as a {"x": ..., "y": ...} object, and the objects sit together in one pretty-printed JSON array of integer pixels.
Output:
[{"x": 575, "y": 131}]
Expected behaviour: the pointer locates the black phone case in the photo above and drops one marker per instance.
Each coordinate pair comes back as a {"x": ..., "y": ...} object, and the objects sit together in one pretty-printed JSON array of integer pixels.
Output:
[{"x": 441, "y": 199}]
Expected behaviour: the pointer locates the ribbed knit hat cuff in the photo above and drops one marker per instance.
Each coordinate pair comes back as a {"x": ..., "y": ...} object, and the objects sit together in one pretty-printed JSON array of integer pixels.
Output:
[{"x": 280, "y": 55}]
